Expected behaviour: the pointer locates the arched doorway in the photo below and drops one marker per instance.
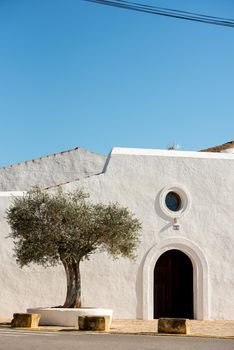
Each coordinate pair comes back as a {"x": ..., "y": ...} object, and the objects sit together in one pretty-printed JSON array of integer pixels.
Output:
[{"x": 173, "y": 285}]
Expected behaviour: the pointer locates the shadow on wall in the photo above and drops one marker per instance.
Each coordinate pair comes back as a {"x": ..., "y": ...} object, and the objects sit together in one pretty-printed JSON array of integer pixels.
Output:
[
  {"x": 139, "y": 289},
  {"x": 161, "y": 214}
]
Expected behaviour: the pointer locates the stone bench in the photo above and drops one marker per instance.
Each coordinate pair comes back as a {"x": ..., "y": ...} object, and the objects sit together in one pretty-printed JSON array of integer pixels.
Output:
[
  {"x": 173, "y": 325},
  {"x": 25, "y": 320},
  {"x": 94, "y": 323}
]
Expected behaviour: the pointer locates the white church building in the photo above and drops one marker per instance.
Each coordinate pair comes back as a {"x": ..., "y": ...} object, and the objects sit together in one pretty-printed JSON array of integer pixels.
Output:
[{"x": 185, "y": 261}]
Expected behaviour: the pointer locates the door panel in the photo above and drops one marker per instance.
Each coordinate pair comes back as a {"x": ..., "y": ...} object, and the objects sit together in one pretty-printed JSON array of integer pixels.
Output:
[{"x": 173, "y": 285}]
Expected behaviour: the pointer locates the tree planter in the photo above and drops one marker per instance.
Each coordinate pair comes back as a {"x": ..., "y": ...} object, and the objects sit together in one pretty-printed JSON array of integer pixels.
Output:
[{"x": 67, "y": 317}]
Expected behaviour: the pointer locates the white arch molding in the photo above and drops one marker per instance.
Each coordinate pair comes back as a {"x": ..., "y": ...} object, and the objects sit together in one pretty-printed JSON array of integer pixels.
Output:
[{"x": 200, "y": 276}]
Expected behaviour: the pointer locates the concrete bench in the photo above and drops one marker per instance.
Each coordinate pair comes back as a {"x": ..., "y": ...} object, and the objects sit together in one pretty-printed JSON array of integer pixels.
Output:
[
  {"x": 94, "y": 323},
  {"x": 173, "y": 325}
]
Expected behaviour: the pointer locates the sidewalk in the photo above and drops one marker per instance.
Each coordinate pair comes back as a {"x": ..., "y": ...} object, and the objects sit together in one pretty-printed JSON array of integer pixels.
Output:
[
  {"x": 197, "y": 328},
  {"x": 204, "y": 328}
]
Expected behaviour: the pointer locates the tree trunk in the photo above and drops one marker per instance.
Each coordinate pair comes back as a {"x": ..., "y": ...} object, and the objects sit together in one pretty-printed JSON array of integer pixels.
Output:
[{"x": 73, "y": 298}]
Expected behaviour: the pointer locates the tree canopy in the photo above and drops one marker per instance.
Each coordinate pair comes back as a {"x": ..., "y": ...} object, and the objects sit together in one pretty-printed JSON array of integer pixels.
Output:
[{"x": 48, "y": 228}]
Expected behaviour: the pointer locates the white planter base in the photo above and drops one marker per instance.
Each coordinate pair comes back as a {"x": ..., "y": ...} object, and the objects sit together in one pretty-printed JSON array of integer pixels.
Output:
[{"x": 66, "y": 317}]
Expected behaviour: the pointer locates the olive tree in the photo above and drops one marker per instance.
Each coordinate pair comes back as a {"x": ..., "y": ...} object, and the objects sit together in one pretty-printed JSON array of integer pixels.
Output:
[{"x": 52, "y": 228}]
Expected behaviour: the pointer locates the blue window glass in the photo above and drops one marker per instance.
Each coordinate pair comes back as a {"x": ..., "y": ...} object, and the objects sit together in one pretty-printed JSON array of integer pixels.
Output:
[{"x": 173, "y": 201}]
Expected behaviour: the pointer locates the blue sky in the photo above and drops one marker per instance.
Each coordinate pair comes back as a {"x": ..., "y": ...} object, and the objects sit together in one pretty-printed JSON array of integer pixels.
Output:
[{"x": 73, "y": 73}]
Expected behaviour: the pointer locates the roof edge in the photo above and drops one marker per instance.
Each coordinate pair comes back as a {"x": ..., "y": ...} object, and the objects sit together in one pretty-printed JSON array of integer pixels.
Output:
[
  {"x": 169, "y": 153},
  {"x": 49, "y": 156},
  {"x": 221, "y": 148}
]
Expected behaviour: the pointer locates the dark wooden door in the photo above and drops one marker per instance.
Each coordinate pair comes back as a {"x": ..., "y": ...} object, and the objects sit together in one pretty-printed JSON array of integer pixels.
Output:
[{"x": 173, "y": 285}]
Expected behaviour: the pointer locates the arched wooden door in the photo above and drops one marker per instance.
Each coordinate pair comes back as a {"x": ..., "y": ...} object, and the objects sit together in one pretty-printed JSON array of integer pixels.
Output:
[{"x": 173, "y": 285}]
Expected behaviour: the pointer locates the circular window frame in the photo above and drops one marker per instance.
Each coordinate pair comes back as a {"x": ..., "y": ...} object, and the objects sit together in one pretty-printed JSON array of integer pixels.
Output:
[{"x": 184, "y": 197}]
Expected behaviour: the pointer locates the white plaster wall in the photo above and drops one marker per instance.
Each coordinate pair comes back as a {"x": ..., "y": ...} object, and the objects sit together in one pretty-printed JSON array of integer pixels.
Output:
[
  {"x": 136, "y": 180},
  {"x": 51, "y": 170},
  {"x": 28, "y": 286}
]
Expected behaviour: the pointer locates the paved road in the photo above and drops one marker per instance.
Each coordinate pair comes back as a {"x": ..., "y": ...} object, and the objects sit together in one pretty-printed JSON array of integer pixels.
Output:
[{"x": 28, "y": 340}]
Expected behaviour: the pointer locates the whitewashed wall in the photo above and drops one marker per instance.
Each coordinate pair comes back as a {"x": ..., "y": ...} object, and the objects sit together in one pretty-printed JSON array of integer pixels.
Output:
[
  {"x": 51, "y": 170},
  {"x": 136, "y": 178}
]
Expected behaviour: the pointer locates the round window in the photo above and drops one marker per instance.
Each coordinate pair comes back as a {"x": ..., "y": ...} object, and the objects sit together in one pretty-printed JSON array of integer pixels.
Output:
[{"x": 173, "y": 201}]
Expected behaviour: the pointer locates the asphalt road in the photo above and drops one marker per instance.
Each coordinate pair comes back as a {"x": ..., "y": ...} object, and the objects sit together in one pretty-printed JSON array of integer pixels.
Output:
[{"x": 29, "y": 340}]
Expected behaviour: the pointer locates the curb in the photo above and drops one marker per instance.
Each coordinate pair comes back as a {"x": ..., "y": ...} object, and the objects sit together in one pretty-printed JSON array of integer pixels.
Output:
[
  {"x": 152, "y": 334},
  {"x": 195, "y": 335}
]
